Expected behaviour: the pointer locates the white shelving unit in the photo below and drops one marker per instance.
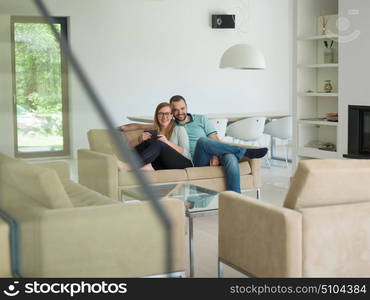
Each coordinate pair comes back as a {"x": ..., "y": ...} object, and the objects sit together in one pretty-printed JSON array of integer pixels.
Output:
[
  {"x": 318, "y": 123},
  {"x": 318, "y": 95},
  {"x": 318, "y": 37},
  {"x": 313, "y": 66},
  {"x": 310, "y": 102},
  {"x": 307, "y": 152}
]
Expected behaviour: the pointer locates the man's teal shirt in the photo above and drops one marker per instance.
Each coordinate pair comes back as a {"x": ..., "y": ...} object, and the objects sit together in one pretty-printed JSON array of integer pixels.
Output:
[{"x": 198, "y": 126}]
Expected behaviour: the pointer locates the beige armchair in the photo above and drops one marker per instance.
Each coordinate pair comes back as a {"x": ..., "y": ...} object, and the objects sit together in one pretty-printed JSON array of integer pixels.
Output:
[
  {"x": 97, "y": 169},
  {"x": 68, "y": 230},
  {"x": 322, "y": 230}
]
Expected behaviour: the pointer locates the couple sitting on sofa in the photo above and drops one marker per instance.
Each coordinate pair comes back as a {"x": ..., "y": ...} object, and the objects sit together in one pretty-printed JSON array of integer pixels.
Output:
[{"x": 189, "y": 140}]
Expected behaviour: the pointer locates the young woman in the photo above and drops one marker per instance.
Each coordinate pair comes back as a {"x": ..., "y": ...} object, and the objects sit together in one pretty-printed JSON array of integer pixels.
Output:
[{"x": 165, "y": 146}]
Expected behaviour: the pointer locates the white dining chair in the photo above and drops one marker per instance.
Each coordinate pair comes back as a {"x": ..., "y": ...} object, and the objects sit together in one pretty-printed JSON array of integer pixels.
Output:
[
  {"x": 220, "y": 125},
  {"x": 280, "y": 129},
  {"x": 248, "y": 130}
]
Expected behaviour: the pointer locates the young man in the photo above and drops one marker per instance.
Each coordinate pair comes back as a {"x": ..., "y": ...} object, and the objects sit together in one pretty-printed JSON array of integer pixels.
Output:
[{"x": 205, "y": 146}]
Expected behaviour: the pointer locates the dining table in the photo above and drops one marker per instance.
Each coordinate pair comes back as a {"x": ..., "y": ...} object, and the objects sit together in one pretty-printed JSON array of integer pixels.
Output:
[{"x": 231, "y": 117}]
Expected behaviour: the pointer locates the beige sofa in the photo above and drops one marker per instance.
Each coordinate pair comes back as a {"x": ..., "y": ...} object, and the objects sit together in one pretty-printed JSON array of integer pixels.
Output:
[
  {"x": 97, "y": 169},
  {"x": 322, "y": 230},
  {"x": 67, "y": 230}
]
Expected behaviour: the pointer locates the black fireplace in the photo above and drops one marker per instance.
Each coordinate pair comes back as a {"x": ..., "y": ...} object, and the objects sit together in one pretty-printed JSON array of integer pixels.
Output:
[{"x": 358, "y": 132}]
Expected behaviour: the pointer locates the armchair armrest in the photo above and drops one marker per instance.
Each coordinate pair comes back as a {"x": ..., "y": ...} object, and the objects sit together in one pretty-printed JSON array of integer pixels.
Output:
[
  {"x": 98, "y": 171},
  {"x": 119, "y": 240},
  {"x": 61, "y": 167},
  {"x": 259, "y": 238},
  {"x": 5, "y": 256}
]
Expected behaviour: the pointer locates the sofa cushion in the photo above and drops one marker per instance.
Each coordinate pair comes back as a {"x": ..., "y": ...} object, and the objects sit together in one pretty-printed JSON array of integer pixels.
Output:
[
  {"x": 219, "y": 184},
  {"x": 132, "y": 135},
  {"x": 329, "y": 182},
  {"x": 160, "y": 176},
  {"x": 101, "y": 141},
  {"x": 82, "y": 196},
  {"x": 41, "y": 184},
  {"x": 214, "y": 172}
]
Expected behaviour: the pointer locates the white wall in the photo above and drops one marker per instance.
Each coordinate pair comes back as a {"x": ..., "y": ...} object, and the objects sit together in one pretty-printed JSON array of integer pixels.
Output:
[
  {"x": 140, "y": 52},
  {"x": 354, "y": 63}
]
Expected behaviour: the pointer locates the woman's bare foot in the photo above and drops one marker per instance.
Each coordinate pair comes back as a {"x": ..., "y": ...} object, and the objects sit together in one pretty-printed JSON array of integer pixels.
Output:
[
  {"x": 124, "y": 167},
  {"x": 147, "y": 167}
]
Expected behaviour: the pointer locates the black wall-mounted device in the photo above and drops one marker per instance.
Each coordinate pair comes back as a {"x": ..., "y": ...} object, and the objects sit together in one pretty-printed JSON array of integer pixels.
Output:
[{"x": 223, "y": 21}]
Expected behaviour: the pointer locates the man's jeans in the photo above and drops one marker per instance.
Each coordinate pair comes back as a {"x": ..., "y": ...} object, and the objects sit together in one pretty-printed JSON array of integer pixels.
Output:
[{"x": 229, "y": 157}]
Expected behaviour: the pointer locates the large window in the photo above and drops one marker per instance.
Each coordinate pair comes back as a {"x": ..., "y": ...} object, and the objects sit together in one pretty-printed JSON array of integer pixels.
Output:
[{"x": 40, "y": 90}]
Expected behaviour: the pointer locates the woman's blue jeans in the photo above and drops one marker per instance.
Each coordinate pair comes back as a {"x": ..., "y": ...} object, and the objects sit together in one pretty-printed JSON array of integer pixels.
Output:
[{"x": 229, "y": 157}]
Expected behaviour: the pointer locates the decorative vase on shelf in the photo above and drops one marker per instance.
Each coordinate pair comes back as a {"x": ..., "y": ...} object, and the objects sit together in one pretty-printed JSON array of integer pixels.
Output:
[
  {"x": 328, "y": 52},
  {"x": 328, "y": 88},
  {"x": 328, "y": 55},
  {"x": 324, "y": 22}
]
